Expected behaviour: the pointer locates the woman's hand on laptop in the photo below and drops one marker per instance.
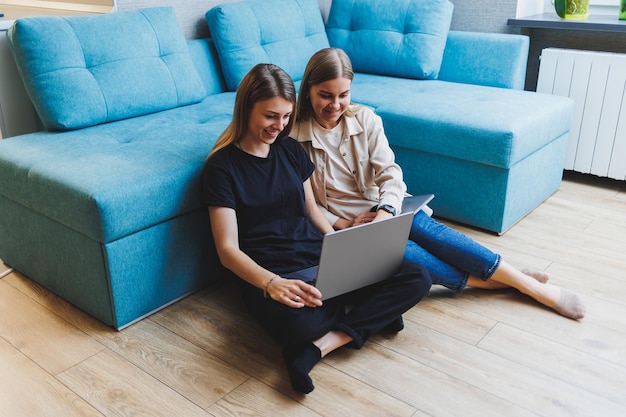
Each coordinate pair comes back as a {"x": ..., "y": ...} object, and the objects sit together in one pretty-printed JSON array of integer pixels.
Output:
[
  {"x": 360, "y": 219},
  {"x": 294, "y": 293}
]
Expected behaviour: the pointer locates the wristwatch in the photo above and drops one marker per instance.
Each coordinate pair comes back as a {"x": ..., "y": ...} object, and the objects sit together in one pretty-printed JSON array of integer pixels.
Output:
[{"x": 387, "y": 208}]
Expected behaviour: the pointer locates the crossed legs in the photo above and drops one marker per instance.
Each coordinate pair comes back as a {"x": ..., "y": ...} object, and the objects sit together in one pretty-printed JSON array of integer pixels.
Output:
[{"x": 371, "y": 309}]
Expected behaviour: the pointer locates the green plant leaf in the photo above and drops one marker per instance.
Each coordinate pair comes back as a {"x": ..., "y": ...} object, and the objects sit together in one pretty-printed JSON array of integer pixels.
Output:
[{"x": 560, "y": 6}]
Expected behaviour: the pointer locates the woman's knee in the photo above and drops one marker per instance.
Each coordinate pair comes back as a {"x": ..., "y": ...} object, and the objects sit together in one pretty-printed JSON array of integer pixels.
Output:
[{"x": 417, "y": 276}]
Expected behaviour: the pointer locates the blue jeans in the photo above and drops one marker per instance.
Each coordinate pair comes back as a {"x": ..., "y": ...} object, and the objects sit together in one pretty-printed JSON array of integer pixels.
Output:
[{"x": 449, "y": 256}]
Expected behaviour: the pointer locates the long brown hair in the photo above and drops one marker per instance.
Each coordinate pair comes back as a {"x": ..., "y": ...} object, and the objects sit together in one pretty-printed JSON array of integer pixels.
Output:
[
  {"x": 262, "y": 82},
  {"x": 326, "y": 64}
]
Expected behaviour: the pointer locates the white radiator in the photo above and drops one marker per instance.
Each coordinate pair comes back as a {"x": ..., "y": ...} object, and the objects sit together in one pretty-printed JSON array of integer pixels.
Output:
[{"x": 596, "y": 81}]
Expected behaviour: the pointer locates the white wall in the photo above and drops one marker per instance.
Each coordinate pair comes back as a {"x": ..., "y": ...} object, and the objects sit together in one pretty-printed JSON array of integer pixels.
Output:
[
  {"x": 531, "y": 7},
  {"x": 89, "y": 6}
]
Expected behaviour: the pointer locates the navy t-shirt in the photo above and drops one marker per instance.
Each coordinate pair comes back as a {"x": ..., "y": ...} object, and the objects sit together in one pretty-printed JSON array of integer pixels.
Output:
[{"x": 268, "y": 197}]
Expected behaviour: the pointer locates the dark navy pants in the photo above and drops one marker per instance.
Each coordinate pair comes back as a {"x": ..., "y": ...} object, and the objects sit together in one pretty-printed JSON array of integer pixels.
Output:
[{"x": 358, "y": 314}]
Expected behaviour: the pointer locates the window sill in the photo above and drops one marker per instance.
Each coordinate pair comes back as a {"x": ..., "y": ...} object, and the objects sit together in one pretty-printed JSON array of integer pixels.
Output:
[{"x": 602, "y": 23}]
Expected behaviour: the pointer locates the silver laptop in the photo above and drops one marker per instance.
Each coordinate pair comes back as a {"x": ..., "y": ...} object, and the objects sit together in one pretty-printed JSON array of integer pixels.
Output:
[
  {"x": 415, "y": 203},
  {"x": 359, "y": 256}
]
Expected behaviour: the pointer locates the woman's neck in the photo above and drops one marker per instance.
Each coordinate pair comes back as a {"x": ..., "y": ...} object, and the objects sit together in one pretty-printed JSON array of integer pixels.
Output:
[
  {"x": 261, "y": 150},
  {"x": 328, "y": 125}
]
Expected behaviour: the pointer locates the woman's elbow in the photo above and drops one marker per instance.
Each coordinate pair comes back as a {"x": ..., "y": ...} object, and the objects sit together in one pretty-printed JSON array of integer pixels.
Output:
[{"x": 227, "y": 255}]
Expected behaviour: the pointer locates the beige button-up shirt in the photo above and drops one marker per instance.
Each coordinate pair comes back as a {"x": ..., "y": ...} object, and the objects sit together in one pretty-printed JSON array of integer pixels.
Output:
[{"x": 366, "y": 151}]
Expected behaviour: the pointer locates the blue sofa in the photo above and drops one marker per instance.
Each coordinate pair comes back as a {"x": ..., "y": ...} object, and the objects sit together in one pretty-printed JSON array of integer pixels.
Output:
[{"x": 103, "y": 206}]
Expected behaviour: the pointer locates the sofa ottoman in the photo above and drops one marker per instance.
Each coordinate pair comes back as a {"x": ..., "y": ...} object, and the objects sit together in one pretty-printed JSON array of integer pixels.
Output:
[{"x": 490, "y": 154}]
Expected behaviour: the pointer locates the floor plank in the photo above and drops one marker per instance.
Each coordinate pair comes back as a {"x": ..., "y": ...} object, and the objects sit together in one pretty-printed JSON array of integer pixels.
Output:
[
  {"x": 422, "y": 386},
  {"x": 45, "y": 338},
  {"x": 114, "y": 387},
  {"x": 253, "y": 398},
  {"x": 554, "y": 359},
  {"x": 27, "y": 390},
  {"x": 551, "y": 397},
  {"x": 176, "y": 362}
]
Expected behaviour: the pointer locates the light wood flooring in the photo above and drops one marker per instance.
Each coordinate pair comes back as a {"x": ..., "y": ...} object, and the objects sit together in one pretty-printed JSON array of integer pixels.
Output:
[{"x": 478, "y": 353}]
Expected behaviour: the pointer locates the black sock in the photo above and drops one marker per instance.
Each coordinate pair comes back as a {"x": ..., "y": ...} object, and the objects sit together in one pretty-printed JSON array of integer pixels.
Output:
[{"x": 300, "y": 359}]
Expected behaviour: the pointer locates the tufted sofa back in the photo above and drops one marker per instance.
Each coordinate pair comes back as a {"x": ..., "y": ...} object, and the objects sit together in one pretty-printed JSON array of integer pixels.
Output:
[
  {"x": 406, "y": 39},
  {"x": 281, "y": 32},
  {"x": 102, "y": 68}
]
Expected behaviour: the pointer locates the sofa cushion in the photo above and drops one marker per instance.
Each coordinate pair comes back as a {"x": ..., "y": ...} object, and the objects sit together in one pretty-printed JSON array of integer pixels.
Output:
[
  {"x": 281, "y": 32},
  {"x": 488, "y": 125},
  {"x": 406, "y": 39},
  {"x": 84, "y": 70},
  {"x": 111, "y": 180}
]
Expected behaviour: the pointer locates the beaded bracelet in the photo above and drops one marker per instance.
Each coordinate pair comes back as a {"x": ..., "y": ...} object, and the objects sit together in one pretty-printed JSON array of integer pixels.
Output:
[{"x": 265, "y": 293}]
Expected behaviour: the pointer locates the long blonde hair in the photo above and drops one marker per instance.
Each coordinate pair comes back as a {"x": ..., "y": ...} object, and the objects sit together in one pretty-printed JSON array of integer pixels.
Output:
[
  {"x": 262, "y": 82},
  {"x": 326, "y": 64}
]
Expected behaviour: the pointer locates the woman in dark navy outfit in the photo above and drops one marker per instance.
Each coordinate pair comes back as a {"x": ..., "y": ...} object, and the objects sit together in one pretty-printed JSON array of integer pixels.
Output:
[{"x": 266, "y": 223}]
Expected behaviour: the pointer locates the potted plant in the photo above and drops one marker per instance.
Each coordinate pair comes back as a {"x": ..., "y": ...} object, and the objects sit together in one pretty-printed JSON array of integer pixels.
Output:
[{"x": 572, "y": 9}]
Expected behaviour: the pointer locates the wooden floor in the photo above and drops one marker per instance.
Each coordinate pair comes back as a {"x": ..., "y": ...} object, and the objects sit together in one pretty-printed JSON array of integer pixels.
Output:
[{"x": 479, "y": 353}]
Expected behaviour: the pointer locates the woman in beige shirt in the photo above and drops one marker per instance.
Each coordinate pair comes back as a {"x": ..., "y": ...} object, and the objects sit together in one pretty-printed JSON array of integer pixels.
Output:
[{"x": 357, "y": 180}]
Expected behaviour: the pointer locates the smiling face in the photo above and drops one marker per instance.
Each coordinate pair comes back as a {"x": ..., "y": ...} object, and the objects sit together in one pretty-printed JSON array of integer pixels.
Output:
[
  {"x": 329, "y": 100},
  {"x": 267, "y": 119}
]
